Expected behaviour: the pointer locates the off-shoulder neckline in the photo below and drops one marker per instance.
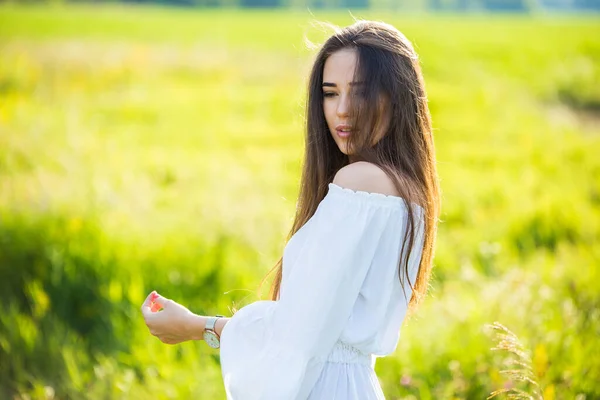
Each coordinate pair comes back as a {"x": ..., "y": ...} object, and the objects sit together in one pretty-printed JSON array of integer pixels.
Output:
[{"x": 371, "y": 196}]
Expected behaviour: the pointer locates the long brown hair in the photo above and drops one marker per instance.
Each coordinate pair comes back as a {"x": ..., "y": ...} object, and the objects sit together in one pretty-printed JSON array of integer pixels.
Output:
[{"x": 389, "y": 69}]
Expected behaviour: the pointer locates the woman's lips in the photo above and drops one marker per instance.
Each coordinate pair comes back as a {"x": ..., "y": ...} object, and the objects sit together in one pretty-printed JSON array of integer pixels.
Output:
[{"x": 343, "y": 130}]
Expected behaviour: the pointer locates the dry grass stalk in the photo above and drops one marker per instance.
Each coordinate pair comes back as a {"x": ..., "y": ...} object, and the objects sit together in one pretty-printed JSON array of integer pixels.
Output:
[{"x": 509, "y": 342}]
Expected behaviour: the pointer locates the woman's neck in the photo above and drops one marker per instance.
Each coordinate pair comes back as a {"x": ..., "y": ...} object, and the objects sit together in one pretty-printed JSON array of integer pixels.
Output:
[{"x": 352, "y": 158}]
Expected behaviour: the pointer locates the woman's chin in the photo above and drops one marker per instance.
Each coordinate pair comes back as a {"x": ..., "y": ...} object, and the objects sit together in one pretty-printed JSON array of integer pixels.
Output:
[{"x": 344, "y": 148}]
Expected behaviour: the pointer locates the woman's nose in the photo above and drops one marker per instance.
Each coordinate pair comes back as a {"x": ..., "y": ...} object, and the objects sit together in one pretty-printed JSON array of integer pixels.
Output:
[{"x": 342, "y": 107}]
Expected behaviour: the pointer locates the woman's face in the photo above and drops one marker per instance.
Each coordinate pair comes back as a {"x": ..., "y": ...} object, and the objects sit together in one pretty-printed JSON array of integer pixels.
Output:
[{"x": 338, "y": 86}]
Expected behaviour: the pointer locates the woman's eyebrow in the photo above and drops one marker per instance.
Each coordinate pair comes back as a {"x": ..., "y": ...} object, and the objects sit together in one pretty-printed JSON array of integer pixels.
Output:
[{"x": 334, "y": 85}]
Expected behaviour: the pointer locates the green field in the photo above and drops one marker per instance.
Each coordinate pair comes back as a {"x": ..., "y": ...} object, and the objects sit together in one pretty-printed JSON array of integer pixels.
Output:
[{"x": 151, "y": 148}]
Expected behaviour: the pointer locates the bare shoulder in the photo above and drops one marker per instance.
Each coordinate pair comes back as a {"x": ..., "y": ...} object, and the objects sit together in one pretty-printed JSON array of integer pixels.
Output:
[{"x": 367, "y": 177}]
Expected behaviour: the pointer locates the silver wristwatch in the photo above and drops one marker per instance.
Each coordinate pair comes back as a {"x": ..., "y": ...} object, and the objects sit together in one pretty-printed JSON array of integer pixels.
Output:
[{"x": 210, "y": 335}]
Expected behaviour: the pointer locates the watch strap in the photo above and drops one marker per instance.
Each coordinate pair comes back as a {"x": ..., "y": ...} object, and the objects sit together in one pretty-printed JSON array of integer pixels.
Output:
[{"x": 211, "y": 321}]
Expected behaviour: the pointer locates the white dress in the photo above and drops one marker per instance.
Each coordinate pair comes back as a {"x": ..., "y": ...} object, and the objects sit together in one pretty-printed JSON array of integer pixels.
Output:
[{"x": 340, "y": 306}]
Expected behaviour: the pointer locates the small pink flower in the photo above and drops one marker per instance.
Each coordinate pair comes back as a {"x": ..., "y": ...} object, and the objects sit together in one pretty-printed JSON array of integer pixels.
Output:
[
  {"x": 405, "y": 380},
  {"x": 154, "y": 306}
]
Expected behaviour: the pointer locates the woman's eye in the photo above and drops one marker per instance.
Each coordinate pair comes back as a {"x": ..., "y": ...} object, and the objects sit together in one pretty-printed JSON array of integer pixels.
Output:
[{"x": 328, "y": 94}]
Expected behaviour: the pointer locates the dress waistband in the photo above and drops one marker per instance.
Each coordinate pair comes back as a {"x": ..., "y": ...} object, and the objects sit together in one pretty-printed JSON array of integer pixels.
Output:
[{"x": 346, "y": 353}]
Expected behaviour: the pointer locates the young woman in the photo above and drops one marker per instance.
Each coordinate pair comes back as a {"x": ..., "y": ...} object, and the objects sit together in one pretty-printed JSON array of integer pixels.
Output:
[{"x": 360, "y": 250}]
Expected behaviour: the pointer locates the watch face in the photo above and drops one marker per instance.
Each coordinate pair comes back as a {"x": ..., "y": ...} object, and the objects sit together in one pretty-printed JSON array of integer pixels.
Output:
[{"x": 211, "y": 339}]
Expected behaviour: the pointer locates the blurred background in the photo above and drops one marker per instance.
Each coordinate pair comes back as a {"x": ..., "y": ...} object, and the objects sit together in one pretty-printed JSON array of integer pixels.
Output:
[{"x": 158, "y": 147}]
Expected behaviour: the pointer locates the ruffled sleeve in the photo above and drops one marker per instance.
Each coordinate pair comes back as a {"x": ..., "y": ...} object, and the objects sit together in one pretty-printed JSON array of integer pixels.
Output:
[{"x": 276, "y": 349}]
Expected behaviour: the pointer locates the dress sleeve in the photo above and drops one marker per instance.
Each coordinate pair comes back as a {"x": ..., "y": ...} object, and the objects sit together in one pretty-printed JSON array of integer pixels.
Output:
[{"x": 275, "y": 349}]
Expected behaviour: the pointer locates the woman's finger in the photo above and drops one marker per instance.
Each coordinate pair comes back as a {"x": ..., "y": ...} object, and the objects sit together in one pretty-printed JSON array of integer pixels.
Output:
[
  {"x": 146, "y": 306},
  {"x": 155, "y": 307},
  {"x": 162, "y": 301}
]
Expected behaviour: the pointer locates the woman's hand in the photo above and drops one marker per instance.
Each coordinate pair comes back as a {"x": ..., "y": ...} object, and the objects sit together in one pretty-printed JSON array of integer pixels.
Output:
[{"x": 173, "y": 324}]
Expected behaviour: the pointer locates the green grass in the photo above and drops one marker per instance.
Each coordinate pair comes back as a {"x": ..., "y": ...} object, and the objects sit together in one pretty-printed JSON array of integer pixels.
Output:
[{"x": 152, "y": 148}]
